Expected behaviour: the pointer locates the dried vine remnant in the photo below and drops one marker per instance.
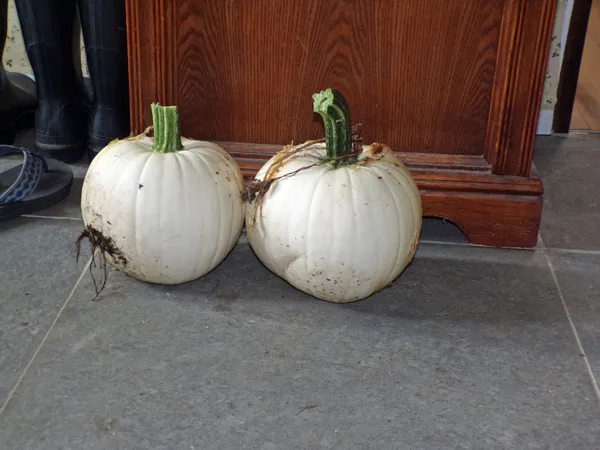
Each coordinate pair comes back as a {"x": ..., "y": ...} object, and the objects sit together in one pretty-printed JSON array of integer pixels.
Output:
[{"x": 257, "y": 189}]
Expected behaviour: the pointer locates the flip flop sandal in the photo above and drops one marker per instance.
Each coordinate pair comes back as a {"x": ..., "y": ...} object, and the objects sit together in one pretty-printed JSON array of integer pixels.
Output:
[{"x": 31, "y": 185}]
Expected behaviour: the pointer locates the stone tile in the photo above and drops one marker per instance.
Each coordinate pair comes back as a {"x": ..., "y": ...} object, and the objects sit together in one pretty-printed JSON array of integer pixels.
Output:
[
  {"x": 578, "y": 277},
  {"x": 569, "y": 167},
  {"x": 71, "y": 206},
  {"x": 470, "y": 349},
  {"x": 37, "y": 272}
]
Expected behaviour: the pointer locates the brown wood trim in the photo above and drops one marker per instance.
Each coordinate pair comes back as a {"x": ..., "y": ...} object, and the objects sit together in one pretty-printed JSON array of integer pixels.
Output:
[
  {"x": 518, "y": 85},
  {"x": 452, "y": 181},
  {"x": 510, "y": 221},
  {"x": 430, "y": 176},
  {"x": 569, "y": 73},
  {"x": 427, "y": 160}
]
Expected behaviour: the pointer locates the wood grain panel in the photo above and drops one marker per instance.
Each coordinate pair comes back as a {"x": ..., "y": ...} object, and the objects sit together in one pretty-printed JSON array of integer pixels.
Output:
[
  {"x": 151, "y": 49},
  {"x": 417, "y": 75},
  {"x": 453, "y": 86}
]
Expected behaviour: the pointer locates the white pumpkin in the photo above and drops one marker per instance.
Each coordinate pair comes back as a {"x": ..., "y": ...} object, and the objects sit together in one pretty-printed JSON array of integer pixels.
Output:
[
  {"x": 339, "y": 232},
  {"x": 164, "y": 210}
]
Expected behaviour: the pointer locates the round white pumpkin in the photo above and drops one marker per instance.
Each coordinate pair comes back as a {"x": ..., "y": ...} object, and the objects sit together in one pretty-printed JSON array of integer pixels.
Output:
[
  {"x": 337, "y": 233},
  {"x": 163, "y": 218}
]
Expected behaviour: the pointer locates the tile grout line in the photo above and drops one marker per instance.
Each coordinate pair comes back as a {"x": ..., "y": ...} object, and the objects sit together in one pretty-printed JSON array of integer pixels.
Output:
[
  {"x": 35, "y": 216},
  {"x": 44, "y": 339},
  {"x": 575, "y": 251},
  {"x": 580, "y": 348},
  {"x": 435, "y": 242}
]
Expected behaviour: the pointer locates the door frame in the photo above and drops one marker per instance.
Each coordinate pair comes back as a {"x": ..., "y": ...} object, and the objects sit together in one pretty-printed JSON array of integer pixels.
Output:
[{"x": 569, "y": 72}]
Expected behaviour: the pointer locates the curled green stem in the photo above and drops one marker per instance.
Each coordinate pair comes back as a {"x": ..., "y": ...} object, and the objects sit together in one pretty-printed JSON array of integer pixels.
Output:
[
  {"x": 167, "y": 137},
  {"x": 332, "y": 107}
]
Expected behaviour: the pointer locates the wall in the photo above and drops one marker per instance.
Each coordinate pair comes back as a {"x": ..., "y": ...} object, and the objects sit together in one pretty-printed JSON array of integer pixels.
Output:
[
  {"x": 14, "y": 57},
  {"x": 16, "y": 60},
  {"x": 555, "y": 58}
]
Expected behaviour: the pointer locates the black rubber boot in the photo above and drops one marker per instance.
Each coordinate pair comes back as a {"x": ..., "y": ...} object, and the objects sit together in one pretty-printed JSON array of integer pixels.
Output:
[
  {"x": 17, "y": 92},
  {"x": 61, "y": 115},
  {"x": 103, "y": 26}
]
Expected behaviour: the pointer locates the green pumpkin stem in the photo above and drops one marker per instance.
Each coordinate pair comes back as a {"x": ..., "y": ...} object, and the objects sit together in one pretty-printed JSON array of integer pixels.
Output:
[
  {"x": 332, "y": 107},
  {"x": 167, "y": 137}
]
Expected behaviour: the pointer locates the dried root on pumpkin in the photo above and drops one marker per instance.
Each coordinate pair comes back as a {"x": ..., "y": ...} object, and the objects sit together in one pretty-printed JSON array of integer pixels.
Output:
[{"x": 101, "y": 246}]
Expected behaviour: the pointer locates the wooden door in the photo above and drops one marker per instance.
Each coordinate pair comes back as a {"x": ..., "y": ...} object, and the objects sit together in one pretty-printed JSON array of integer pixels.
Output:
[{"x": 453, "y": 86}]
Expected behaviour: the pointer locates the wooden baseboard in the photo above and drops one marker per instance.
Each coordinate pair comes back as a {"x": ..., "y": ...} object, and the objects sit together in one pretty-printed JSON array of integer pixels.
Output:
[
  {"x": 506, "y": 221},
  {"x": 492, "y": 210}
]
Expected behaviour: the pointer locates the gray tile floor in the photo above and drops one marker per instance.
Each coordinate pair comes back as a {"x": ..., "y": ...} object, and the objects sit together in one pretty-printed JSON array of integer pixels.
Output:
[{"x": 472, "y": 348}]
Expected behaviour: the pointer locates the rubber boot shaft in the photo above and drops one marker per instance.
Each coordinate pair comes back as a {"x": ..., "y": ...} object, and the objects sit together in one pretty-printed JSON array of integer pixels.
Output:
[
  {"x": 103, "y": 26},
  {"x": 61, "y": 115}
]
